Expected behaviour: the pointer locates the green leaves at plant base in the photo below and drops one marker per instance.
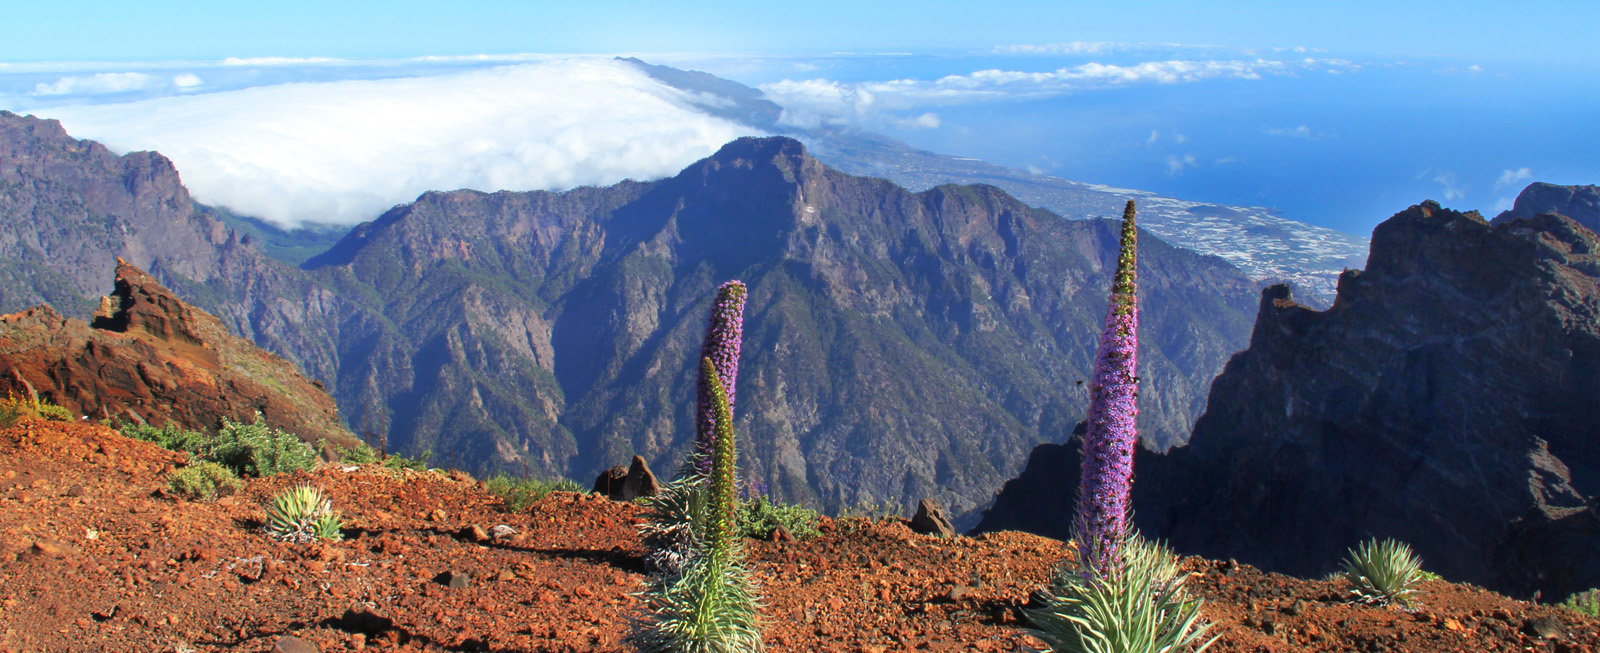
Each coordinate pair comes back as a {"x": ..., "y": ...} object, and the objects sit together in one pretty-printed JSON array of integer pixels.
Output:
[
  {"x": 516, "y": 494},
  {"x": 1143, "y": 608},
  {"x": 709, "y": 607},
  {"x": 302, "y": 513},
  {"x": 758, "y": 518},
  {"x": 203, "y": 481},
  {"x": 1383, "y": 572}
]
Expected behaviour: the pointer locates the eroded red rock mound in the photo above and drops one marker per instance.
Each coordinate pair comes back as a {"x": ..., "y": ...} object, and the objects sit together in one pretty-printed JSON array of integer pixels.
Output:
[{"x": 150, "y": 357}]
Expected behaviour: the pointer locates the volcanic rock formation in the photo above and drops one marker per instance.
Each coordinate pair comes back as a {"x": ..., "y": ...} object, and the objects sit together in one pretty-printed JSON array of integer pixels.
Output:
[
  {"x": 1446, "y": 399},
  {"x": 151, "y": 358},
  {"x": 1581, "y": 203}
]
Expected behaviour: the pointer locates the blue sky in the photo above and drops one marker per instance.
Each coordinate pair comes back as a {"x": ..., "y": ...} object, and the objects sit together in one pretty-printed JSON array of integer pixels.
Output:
[
  {"x": 1547, "y": 32},
  {"x": 1337, "y": 114}
]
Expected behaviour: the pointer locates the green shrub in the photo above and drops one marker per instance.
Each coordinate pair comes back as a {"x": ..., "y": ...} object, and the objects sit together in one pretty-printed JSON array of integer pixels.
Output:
[
  {"x": 871, "y": 510},
  {"x": 397, "y": 461},
  {"x": 1584, "y": 603},
  {"x": 13, "y": 408},
  {"x": 1142, "y": 607},
  {"x": 203, "y": 481},
  {"x": 360, "y": 454},
  {"x": 257, "y": 449},
  {"x": 516, "y": 493},
  {"x": 1383, "y": 572},
  {"x": 171, "y": 437},
  {"x": 758, "y": 517},
  {"x": 302, "y": 513}
]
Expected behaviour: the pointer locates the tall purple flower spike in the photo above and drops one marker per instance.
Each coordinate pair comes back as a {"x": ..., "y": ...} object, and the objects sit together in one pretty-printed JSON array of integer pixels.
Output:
[
  {"x": 723, "y": 335},
  {"x": 1107, "y": 477}
]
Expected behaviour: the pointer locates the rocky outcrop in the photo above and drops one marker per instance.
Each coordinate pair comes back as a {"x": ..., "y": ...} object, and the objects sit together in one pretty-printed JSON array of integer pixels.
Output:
[
  {"x": 151, "y": 358},
  {"x": 1445, "y": 399},
  {"x": 931, "y": 520},
  {"x": 1581, "y": 203}
]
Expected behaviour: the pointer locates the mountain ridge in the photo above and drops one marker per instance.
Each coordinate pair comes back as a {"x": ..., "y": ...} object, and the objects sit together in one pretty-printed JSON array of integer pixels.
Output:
[
  {"x": 552, "y": 333},
  {"x": 1266, "y": 246},
  {"x": 662, "y": 251}
]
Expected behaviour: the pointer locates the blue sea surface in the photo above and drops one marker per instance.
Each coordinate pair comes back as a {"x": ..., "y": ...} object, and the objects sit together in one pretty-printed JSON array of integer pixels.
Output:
[{"x": 1344, "y": 151}]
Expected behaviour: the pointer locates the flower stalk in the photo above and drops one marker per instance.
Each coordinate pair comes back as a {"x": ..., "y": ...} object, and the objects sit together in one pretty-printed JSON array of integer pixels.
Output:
[
  {"x": 724, "y": 333},
  {"x": 1107, "y": 476}
]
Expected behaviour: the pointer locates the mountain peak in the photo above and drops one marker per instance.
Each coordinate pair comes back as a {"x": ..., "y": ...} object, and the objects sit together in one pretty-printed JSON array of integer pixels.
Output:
[
  {"x": 1581, "y": 203},
  {"x": 751, "y": 150}
]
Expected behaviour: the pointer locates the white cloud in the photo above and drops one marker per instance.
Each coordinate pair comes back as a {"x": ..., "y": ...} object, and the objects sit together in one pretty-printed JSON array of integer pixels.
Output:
[
  {"x": 1452, "y": 188},
  {"x": 1513, "y": 177},
  {"x": 1176, "y": 164},
  {"x": 345, "y": 151},
  {"x": 276, "y": 61},
  {"x": 1154, "y": 136},
  {"x": 187, "y": 81},
  {"x": 1298, "y": 132},
  {"x": 813, "y": 101},
  {"x": 95, "y": 84},
  {"x": 1503, "y": 204},
  {"x": 1074, "y": 47},
  {"x": 925, "y": 121}
]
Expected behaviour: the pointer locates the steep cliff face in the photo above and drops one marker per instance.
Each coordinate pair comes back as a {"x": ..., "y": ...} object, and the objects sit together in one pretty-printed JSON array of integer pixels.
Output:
[
  {"x": 898, "y": 345},
  {"x": 1446, "y": 399},
  {"x": 149, "y": 357}
]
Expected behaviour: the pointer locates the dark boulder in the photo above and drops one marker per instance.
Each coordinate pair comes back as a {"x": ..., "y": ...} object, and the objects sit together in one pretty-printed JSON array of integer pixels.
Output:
[
  {"x": 639, "y": 481},
  {"x": 931, "y": 520},
  {"x": 610, "y": 482}
]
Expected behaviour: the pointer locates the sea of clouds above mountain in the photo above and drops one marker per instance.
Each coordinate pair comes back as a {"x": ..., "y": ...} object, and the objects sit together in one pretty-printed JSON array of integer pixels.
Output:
[
  {"x": 343, "y": 151},
  {"x": 1315, "y": 135}
]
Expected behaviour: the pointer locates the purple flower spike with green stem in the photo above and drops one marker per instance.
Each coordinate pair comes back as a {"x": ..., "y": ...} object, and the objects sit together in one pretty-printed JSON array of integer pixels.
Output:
[
  {"x": 722, "y": 504},
  {"x": 724, "y": 333},
  {"x": 1107, "y": 476}
]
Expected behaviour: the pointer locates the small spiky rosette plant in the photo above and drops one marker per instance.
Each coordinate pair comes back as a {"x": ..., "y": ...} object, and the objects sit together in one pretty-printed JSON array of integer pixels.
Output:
[
  {"x": 1382, "y": 573},
  {"x": 670, "y": 532},
  {"x": 1142, "y": 609},
  {"x": 1106, "y": 480},
  {"x": 301, "y": 514},
  {"x": 710, "y": 605}
]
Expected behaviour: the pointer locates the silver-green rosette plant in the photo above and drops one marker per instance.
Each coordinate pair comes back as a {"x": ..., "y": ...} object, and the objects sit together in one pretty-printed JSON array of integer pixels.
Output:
[
  {"x": 1383, "y": 573},
  {"x": 710, "y": 604},
  {"x": 301, "y": 514},
  {"x": 1142, "y": 609}
]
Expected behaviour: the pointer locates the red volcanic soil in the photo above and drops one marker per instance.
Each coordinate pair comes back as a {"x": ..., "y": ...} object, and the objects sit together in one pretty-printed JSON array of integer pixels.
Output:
[{"x": 94, "y": 557}]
